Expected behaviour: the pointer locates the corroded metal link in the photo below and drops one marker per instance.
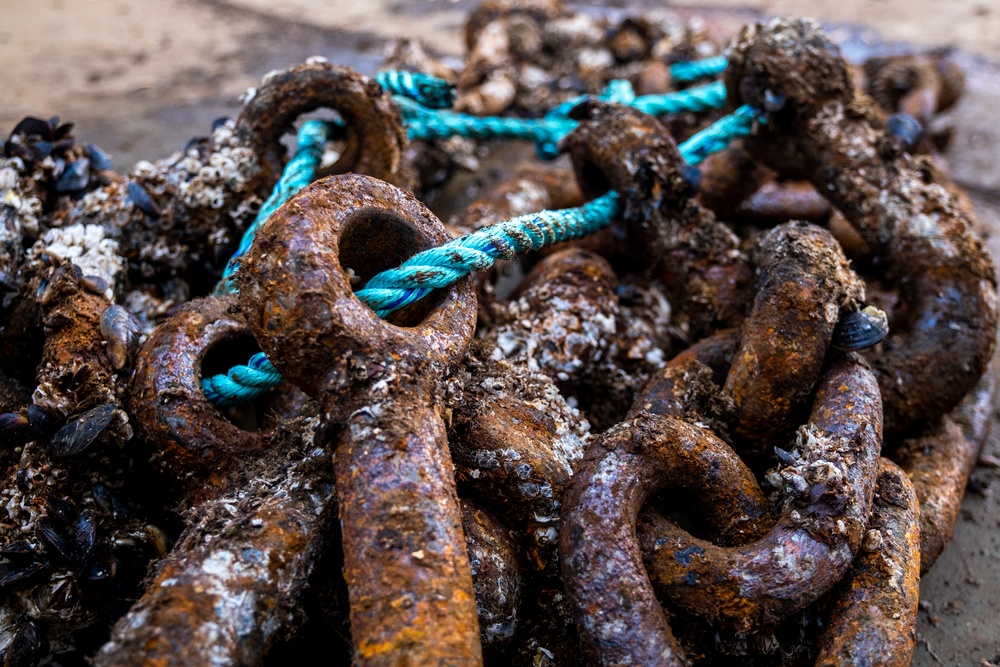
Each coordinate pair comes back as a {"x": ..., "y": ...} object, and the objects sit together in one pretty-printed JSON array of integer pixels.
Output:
[
  {"x": 925, "y": 235},
  {"x": 618, "y": 617},
  {"x": 516, "y": 443},
  {"x": 781, "y": 201},
  {"x": 566, "y": 320},
  {"x": 561, "y": 317},
  {"x": 920, "y": 84},
  {"x": 872, "y": 619},
  {"x": 376, "y": 139},
  {"x": 673, "y": 390},
  {"x": 194, "y": 444},
  {"x": 497, "y": 575},
  {"x": 939, "y": 463},
  {"x": 406, "y": 565},
  {"x": 223, "y": 593},
  {"x": 828, "y": 482},
  {"x": 533, "y": 188},
  {"x": 697, "y": 258},
  {"x": 803, "y": 283},
  {"x": 728, "y": 178}
]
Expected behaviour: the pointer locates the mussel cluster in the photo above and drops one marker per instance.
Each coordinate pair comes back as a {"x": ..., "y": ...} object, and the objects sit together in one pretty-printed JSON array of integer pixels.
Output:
[{"x": 684, "y": 440}]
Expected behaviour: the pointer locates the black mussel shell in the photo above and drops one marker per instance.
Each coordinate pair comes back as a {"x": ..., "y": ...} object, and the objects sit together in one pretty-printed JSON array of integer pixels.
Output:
[
  {"x": 80, "y": 431},
  {"x": 99, "y": 571},
  {"x": 108, "y": 502},
  {"x": 859, "y": 329},
  {"x": 121, "y": 330},
  {"x": 94, "y": 284},
  {"x": 46, "y": 422},
  {"x": 904, "y": 130},
  {"x": 75, "y": 178},
  {"x": 60, "y": 131},
  {"x": 99, "y": 160},
  {"x": 84, "y": 537},
  {"x": 28, "y": 646},
  {"x": 53, "y": 538},
  {"x": 15, "y": 429},
  {"x": 692, "y": 179},
  {"x": 61, "y": 509},
  {"x": 13, "y": 575},
  {"x": 142, "y": 200},
  {"x": 18, "y": 551},
  {"x": 41, "y": 149},
  {"x": 31, "y": 126}
]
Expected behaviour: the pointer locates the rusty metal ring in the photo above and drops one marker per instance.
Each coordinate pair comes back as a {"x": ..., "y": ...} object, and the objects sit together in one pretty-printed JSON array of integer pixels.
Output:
[
  {"x": 405, "y": 560},
  {"x": 618, "y": 616},
  {"x": 168, "y": 402},
  {"x": 376, "y": 138},
  {"x": 828, "y": 487},
  {"x": 940, "y": 460},
  {"x": 872, "y": 619},
  {"x": 925, "y": 234},
  {"x": 515, "y": 445},
  {"x": 319, "y": 334},
  {"x": 698, "y": 259},
  {"x": 803, "y": 283},
  {"x": 497, "y": 575}
]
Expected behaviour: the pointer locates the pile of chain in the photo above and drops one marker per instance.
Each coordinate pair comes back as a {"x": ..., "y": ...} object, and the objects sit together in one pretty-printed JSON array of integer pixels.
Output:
[{"x": 683, "y": 440}]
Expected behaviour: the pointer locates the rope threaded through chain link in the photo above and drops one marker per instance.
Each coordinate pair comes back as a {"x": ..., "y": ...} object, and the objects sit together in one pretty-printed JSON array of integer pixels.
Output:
[
  {"x": 298, "y": 173},
  {"x": 445, "y": 265}
]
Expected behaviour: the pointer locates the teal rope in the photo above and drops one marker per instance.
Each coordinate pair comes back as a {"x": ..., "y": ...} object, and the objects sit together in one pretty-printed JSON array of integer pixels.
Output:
[
  {"x": 424, "y": 124},
  {"x": 698, "y": 99},
  {"x": 443, "y": 266},
  {"x": 242, "y": 383},
  {"x": 430, "y": 91},
  {"x": 698, "y": 69},
  {"x": 428, "y": 125},
  {"x": 298, "y": 173},
  {"x": 719, "y": 135}
]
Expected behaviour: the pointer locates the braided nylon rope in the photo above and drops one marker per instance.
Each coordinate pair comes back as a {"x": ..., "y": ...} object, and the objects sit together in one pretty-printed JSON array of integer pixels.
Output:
[
  {"x": 698, "y": 69},
  {"x": 422, "y": 123},
  {"x": 425, "y": 124},
  {"x": 430, "y": 91},
  {"x": 700, "y": 98},
  {"x": 445, "y": 265},
  {"x": 618, "y": 91},
  {"x": 298, "y": 173}
]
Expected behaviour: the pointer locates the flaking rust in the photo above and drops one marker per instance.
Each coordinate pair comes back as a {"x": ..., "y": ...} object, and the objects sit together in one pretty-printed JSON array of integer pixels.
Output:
[
  {"x": 925, "y": 234},
  {"x": 827, "y": 489},
  {"x": 230, "y": 586},
  {"x": 406, "y": 564},
  {"x": 872, "y": 617}
]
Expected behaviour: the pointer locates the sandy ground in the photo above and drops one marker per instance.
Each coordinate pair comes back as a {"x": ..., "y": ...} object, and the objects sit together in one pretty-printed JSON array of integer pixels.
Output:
[{"x": 140, "y": 78}]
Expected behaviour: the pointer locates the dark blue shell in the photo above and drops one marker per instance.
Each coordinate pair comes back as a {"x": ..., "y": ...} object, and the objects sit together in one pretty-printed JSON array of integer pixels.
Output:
[{"x": 859, "y": 329}]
